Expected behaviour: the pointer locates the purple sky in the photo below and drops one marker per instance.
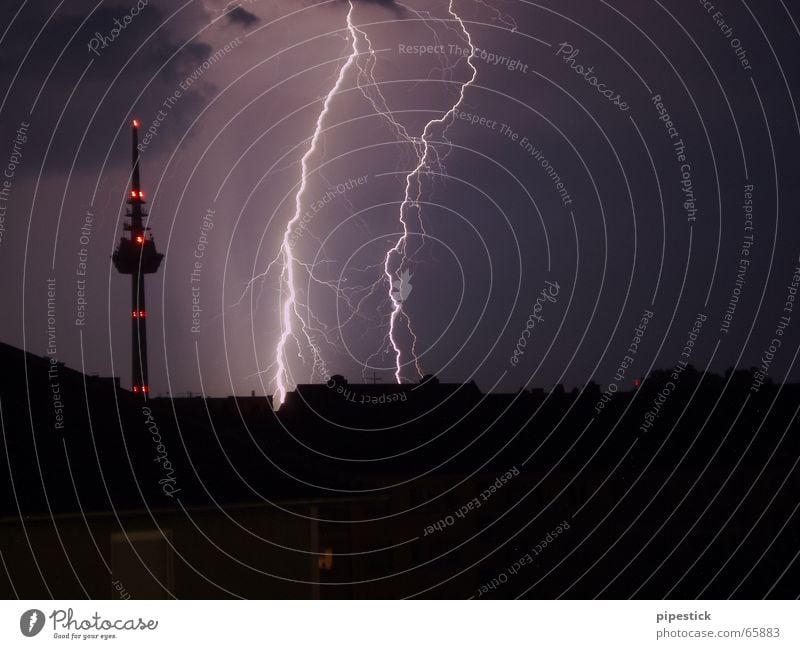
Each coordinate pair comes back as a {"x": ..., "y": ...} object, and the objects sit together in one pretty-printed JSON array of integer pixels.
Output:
[{"x": 229, "y": 132}]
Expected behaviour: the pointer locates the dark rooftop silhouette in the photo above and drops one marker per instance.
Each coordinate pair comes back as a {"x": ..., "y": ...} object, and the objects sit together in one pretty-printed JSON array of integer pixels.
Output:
[{"x": 373, "y": 451}]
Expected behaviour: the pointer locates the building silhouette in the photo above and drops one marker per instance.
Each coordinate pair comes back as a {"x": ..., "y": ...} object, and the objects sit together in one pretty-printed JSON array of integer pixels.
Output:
[{"x": 357, "y": 493}]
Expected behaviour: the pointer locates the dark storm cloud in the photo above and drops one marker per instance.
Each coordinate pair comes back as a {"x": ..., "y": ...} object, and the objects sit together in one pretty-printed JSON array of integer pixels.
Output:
[
  {"x": 100, "y": 63},
  {"x": 391, "y": 5},
  {"x": 240, "y": 16}
]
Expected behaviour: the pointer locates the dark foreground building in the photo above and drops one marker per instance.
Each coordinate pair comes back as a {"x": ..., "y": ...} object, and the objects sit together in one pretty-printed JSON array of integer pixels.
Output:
[{"x": 427, "y": 490}]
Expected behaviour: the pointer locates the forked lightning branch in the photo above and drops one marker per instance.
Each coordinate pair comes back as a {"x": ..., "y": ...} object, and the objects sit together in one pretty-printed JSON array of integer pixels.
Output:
[{"x": 298, "y": 325}]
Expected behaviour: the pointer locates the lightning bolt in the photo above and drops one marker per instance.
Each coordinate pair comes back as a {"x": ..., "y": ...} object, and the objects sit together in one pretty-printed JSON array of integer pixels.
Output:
[
  {"x": 394, "y": 267},
  {"x": 397, "y": 257},
  {"x": 32, "y": 621},
  {"x": 499, "y": 17},
  {"x": 289, "y": 309},
  {"x": 425, "y": 153}
]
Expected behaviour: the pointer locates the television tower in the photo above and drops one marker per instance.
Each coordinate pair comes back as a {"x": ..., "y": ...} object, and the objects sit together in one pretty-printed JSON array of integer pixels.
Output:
[{"x": 136, "y": 256}]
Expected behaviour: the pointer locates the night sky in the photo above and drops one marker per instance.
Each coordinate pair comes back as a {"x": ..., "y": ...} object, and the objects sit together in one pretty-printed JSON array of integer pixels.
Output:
[{"x": 626, "y": 157}]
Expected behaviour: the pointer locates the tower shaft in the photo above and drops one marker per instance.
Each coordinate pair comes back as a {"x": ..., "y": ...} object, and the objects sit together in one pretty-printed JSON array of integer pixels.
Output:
[{"x": 139, "y": 335}]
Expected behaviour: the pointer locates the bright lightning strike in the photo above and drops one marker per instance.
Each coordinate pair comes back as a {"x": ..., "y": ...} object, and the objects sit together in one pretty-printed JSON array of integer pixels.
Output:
[
  {"x": 289, "y": 310},
  {"x": 394, "y": 267},
  {"x": 411, "y": 199}
]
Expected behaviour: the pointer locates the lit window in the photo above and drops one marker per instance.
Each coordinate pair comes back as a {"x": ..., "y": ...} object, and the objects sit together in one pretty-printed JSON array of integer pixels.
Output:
[{"x": 325, "y": 560}]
